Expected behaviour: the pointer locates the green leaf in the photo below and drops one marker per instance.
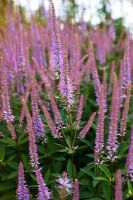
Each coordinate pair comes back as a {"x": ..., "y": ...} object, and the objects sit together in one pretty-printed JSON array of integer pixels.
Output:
[
  {"x": 95, "y": 183},
  {"x": 2, "y": 152},
  {"x": 8, "y": 196},
  {"x": 95, "y": 198},
  {"x": 105, "y": 170},
  {"x": 130, "y": 188},
  {"x": 6, "y": 186},
  {"x": 84, "y": 181},
  {"x": 9, "y": 141},
  {"x": 106, "y": 190},
  {"x": 87, "y": 171},
  {"x": 85, "y": 195},
  {"x": 71, "y": 170},
  {"x": 24, "y": 140},
  {"x": 68, "y": 141},
  {"x": 47, "y": 175},
  {"x": 80, "y": 174},
  {"x": 33, "y": 177},
  {"x": 13, "y": 175},
  {"x": 12, "y": 164},
  {"x": 24, "y": 160},
  {"x": 100, "y": 178}
]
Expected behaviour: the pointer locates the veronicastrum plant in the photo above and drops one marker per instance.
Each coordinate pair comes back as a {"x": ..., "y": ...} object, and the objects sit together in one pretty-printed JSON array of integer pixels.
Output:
[{"x": 66, "y": 109}]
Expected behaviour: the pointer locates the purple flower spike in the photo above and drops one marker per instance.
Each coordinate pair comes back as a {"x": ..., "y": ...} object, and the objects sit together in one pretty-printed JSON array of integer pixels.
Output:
[
  {"x": 129, "y": 161},
  {"x": 32, "y": 140},
  {"x": 125, "y": 112},
  {"x": 56, "y": 49},
  {"x": 112, "y": 143},
  {"x": 43, "y": 191},
  {"x": 76, "y": 190},
  {"x": 94, "y": 71},
  {"x": 87, "y": 126},
  {"x": 118, "y": 187},
  {"x": 80, "y": 109},
  {"x": 99, "y": 142},
  {"x": 22, "y": 190},
  {"x": 39, "y": 128}
]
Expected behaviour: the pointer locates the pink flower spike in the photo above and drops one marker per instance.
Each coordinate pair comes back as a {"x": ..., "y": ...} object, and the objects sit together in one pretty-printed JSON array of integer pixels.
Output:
[
  {"x": 32, "y": 140},
  {"x": 50, "y": 123},
  {"x": 76, "y": 195},
  {"x": 87, "y": 126},
  {"x": 94, "y": 71},
  {"x": 57, "y": 115},
  {"x": 22, "y": 190},
  {"x": 99, "y": 142},
  {"x": 43, "y": 191},
  {"x": 112, "y": 143},
  {"x": 125, "y": 112},
  {"x": 118, "y": 186},
  {"x": 80, "y": 109},
  {"x": 129, "y": 161}
]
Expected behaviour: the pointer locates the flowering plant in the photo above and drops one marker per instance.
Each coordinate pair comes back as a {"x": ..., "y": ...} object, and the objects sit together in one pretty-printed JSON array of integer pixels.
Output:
[{"x": 66, "y": 110}]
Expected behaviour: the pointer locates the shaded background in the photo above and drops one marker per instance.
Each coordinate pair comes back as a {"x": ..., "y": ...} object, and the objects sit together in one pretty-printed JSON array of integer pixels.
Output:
[{"x": 89, "y": 8}]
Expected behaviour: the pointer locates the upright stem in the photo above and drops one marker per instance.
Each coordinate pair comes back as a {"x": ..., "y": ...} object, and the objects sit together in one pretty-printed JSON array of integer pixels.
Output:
[{"x": 112, "y": 181}]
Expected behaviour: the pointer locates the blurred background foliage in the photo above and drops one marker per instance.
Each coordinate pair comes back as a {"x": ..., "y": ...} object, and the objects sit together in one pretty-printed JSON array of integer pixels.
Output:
[{"x": 71, "y": 11}]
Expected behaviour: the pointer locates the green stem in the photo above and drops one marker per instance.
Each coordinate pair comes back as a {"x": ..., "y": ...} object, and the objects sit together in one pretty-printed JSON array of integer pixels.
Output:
[
  {"x": 72, "y": 166},
  {"x": 112, "y": 181}
]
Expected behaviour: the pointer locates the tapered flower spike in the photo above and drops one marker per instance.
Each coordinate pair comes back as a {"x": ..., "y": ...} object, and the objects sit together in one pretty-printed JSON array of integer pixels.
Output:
[
  {"x": 11, "y": 129},
  {"x": 32, "y": 140},
  {"x": 43, "y": 191},
  {"x": 76, "y": 71},
  {"x": 129, "y": 160},
  {"x": 7, "y": 112},
  {"x": 57, "y": 115},
  {"x": 68, "y": 83},
  {"x": 22, "y": 115},
  {"x": 99, "y": 142},
  {"x": 112, "y": 71},
  {"x": 112, "y": 143},
  {"x": 39, "y": 128},
  {"x": 53, "y": 18},
  {"x": 20, "y": 60},
  {"x": 126, "y": 65},
  {"x": 76, "y": 195},
  {"x": 80, "y": 109},
  {"x": 37, "y": 121},
  {"x": 79, "y": 71},
  {"x": 56, "y": 49},
  {"x": 43, "y": 76},
  {"x": 65, "y": 85},
  {"x": 118, "y": 186},
  {"x": 128, "y": 61},
  {"x": 94, "y": 71},
  {"x": 50, "y": 123},
  {"x": 111, "y": 29},
  {"x": 87, "y": 73},
  {"x": 125, "y": 112},
  {"x": 87, "y": 126},
  {"x": 22, "y": 190},
  {"x": 80, "y": 75},
  {"x": 122, "y": 95},
  {"x": 105, "y": 90}
]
